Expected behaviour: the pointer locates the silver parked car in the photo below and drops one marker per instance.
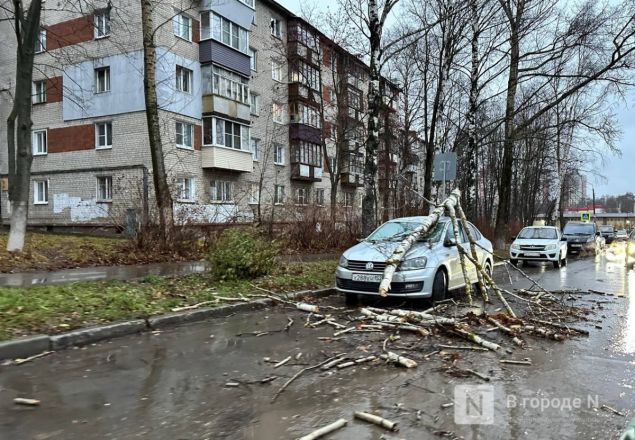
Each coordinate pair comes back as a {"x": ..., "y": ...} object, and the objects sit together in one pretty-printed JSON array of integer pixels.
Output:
[{"x": 429, "y": 269}]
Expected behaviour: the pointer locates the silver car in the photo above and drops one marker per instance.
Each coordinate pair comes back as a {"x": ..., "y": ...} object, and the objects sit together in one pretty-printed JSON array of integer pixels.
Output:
[{"x": 429, "y": 270}]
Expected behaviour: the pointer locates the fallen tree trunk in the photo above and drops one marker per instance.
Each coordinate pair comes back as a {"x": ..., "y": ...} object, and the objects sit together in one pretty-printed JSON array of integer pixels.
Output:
[
  {"x": 325, "y": 430},
  {"x": 455, "y": 227},
  {"x": 376, "y": 420},
  {"x": 428, "y": 223}
]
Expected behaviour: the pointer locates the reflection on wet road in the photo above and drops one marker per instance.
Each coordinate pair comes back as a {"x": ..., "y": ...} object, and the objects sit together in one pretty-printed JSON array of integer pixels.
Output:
[{"x": 171, "y": 385}]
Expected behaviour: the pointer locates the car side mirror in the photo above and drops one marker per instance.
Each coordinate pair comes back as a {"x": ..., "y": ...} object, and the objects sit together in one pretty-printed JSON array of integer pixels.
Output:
[
  {"x": 449, "y": 242},
  {"x": 563, "y": 238}
]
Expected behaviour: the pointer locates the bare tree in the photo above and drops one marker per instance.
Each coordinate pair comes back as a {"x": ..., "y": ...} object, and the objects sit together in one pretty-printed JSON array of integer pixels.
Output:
[{"x": 26, "y": 25}]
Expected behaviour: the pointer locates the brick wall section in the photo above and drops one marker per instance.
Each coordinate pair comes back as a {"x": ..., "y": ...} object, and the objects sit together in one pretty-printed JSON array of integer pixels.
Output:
[
  {"x": 54, "y": 89},
  {"x": 74, "y": 138},
  {"x": 69, "y": 32}
]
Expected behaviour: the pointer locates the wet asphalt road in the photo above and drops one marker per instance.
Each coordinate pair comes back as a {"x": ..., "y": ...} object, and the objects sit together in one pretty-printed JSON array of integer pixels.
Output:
[{"x": 171, "y": 385}]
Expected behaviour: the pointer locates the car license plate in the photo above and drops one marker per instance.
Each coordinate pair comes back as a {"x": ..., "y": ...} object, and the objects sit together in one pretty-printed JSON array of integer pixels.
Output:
[
  {"x": 368, "y": 278},
  {"x": 532, "y": 254}
]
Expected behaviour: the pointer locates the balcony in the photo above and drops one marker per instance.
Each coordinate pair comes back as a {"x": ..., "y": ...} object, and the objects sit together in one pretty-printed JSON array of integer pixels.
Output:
[
  {"x": 226, "y": 159},
  {"x": 351, "y": 179},
  {"x": 306, "y": 173},
  {"x": 224, "y": 106}
]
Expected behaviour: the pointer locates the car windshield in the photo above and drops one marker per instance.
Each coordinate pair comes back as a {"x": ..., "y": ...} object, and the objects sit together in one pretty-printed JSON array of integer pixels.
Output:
[
  {"x": 397, "y": 231},
  {"x": 578, "y": 228},
  {"x": 606, "y": 228},
  {"x": 538, "y": 233}
]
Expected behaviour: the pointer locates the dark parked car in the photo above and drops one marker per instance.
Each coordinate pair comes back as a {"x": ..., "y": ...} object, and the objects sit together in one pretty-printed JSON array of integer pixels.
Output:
[
  {"x": 583, "y": 236},
  {"x": 608, "y": 232}
]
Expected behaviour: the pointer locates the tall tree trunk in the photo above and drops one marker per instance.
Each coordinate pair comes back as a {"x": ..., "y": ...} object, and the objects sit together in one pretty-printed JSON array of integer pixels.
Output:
[
  {"x": 505, "y": 177},
  {"x": 26, "y": 28},
  {"x": 369, "y": 202},
  {"x": 159, "y": 175}
]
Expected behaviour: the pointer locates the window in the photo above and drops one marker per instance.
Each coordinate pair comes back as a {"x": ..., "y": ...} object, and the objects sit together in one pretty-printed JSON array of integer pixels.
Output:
[
  {"x": 221, "y": 191},
  {"x": 182, "y": 25},
  {"x": 104, "y": 188},
  {"x": 276, "y": 70},
  {"x": 302, "y": 196},
  {"x": 40, "y": 43},
  {"x": 349, "y": 199},
  {"x": 185, "y": 188},
  {"x": 277, "y": 112},
  {"x": 39, "y": 92},
  {"x": 303, "y": 114},
  {"x": 278, "y": 154},
  {"x": 227, "y": 32},
  {"x": 319, "y": 196},
  {"x": 38, "y": 142},
  {"x": 254, "y": 193},
  {"x": 102, "y": 23},
  {"x": 276, "y": 27},
  {"x": 225, "y": 133},
  {"x": 103, "y": 135},
  {"x": 102, "y": 79},
  {"x": 354, "y": 99},
  {"x": 278, "y": 195},
  {"x": 225, "y": 83},
  {"x": 253, "y": 59},
  {"x": 356, "y": 164},
  {"x": 254, "y": 146},
  {"x": 184, "y": 79},
  {"x": 254, "y": 104},
  {"x": 307, "y": 75},
  {"x": 250, "y": 3},
  {"x": 184, "y": 135},
  {"x": 307, "y": 153},
  {"x": 40, "y": 192}
]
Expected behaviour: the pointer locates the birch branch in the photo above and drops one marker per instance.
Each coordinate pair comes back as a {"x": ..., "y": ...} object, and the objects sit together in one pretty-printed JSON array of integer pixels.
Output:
[
  {"x": 472, "y": 241},
  {"x": 325, "y": 430},
  {"x": 455, "y": 227}
]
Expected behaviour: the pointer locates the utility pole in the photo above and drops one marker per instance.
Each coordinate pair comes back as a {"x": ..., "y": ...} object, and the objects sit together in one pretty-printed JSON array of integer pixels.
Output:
[{"x": 593, "y": 191}]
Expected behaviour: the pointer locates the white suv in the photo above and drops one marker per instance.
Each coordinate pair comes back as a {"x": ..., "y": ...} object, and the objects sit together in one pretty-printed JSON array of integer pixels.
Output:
[{"x": 539, "y": 243}]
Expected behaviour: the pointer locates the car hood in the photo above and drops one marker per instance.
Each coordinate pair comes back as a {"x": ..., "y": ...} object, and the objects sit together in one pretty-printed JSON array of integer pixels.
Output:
[
  {"x": 535, "y": 241},
  {"x": 573, "y": 238},
  {"x": 381, "y": 251}
]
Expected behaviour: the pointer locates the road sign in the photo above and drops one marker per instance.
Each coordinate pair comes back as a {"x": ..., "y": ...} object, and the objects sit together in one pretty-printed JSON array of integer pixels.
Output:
[
  {"x": 444, "y": 167},
  {"x": 585, "y": 216}
]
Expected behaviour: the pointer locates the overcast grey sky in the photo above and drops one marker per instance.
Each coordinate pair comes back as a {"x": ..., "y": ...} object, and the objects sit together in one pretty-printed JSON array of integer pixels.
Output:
[{"x": 619, "y": 172}]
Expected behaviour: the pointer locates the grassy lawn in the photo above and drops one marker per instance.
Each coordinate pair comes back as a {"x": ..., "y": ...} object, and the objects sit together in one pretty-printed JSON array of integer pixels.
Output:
[
  {"x": 61, "y": 251},
  {"x": 57, "y": 308}
]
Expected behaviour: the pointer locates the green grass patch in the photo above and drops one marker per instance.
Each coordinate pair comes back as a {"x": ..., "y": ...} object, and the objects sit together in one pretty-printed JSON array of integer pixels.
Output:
[{"x": 57, "y": 308}]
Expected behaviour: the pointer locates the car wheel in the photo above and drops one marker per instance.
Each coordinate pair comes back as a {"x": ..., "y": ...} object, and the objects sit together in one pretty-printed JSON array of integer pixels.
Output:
[
  {"x": 557, "y": 264},
  {"x": 514, "y": 262},
  {"x": 564, "y": 261},
  {"x": 439, "y": 286},
  {"x": 488, "y": 270},
  {"x": 351, "y": 299}
]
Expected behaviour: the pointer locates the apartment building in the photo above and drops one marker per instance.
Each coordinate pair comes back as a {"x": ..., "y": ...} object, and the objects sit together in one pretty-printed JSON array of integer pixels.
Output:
[{"x": 250, "y": 98}]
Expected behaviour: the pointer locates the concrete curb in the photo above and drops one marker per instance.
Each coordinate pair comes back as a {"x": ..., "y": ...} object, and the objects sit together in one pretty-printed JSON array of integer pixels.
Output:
[{"x": 31, "y": 345}]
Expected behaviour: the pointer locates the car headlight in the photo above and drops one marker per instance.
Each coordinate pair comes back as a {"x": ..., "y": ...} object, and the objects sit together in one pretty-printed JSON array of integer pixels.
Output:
[
  {"x": 413, "y": 263},
  {"x": 343, "y": 262},
  {"x": 550, "y": 247},
  {"x": 515, "y": 246}
]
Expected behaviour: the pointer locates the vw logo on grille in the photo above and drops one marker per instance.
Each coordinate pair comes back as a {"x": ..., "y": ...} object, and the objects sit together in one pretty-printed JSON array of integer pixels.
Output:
[{"x": 370, "y": 265}]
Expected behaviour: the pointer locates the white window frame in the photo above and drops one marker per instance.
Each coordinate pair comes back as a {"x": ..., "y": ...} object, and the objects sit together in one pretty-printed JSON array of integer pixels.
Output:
[
  {"x": 178, "y": 25},
  {"x": 349, "y": 199},
  {"x": 45, "y": 148},
  {"x": 225, "y": 32},
  {"x": 254, "y": 103},
  {"x": 277, "y": 112},
  {"x": 243, "y": 137},
  {"x": 40, "y": 43},
  {"x": 319, "y": 196},
  {"x": 220, "y": 81},
  {"x": 276, "y": 71},
  {"x": 106, "y": 84},
  {"x": 253, "y": 59},
  {"x": 276, "y": 27},
  {"x": 304, "y": 194},
  {"x": 250, "y": 3},
  {"x": 107, "y": 136},
  {"x": 184, "y": 79},
  {"x": 254, "y": 193},
  {"x": 226, "y": 194},
  {"x": 183, "y": 185},
  {"x": 183, "y": 134},
  {"x": 278, "y": 194},
  {"x": 37, "y": 199},
  {"x": 39, "y": 96},
  {"x": 102, "y": 24},
  {"x": 106, "y": 196},
  {"x": 254, "y": 146},
  {"x": 278, "y": 154}
]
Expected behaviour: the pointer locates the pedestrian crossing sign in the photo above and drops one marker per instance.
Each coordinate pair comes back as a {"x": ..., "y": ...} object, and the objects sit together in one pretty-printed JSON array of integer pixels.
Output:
[{"x": 585, "y": 216}]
